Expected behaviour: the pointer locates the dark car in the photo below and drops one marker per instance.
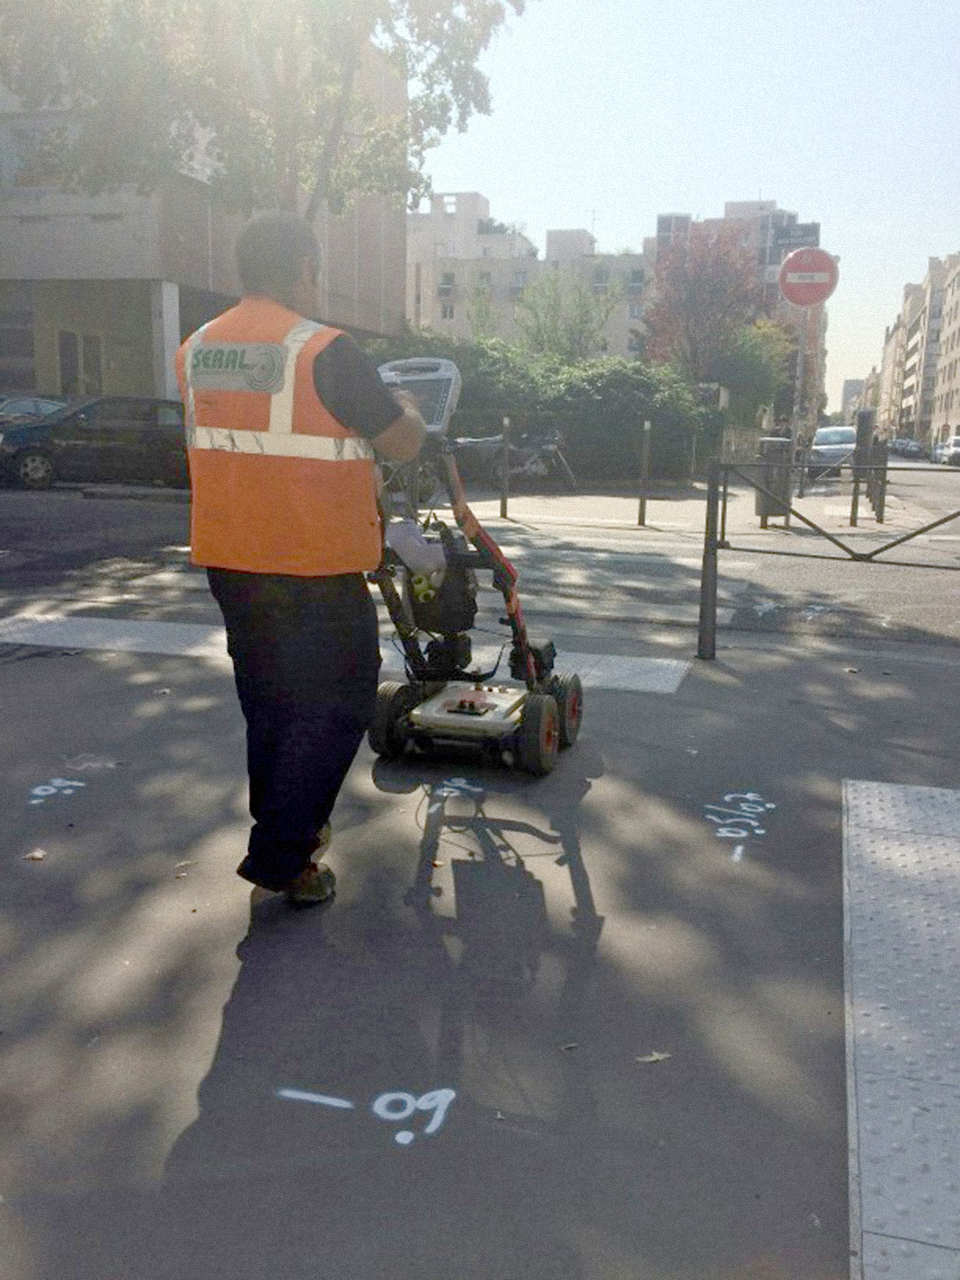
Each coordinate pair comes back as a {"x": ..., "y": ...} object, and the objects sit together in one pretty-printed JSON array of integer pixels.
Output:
[
  {"x": 29, "y": 406},
  {"x": 110, "y": 439}
]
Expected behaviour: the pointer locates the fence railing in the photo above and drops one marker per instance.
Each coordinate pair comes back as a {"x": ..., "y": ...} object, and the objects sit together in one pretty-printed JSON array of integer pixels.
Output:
[{"x": 871, "y": 479}]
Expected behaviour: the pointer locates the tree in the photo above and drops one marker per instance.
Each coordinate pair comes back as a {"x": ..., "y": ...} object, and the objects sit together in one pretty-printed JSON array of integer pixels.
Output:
[
  {"x": 267, "y": 97},
  {"x": 559, "y": 315},
  {"x": 707, "y": 290},
  {"x": 755, "y": 369}
]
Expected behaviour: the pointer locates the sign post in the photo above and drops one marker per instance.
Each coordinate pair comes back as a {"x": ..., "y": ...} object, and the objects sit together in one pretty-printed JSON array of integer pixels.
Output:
[{"x": 807, "y": 277}]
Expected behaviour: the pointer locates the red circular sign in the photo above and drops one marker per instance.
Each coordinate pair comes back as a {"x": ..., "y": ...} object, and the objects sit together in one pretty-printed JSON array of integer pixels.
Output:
[{"x": 808, "y": 276}]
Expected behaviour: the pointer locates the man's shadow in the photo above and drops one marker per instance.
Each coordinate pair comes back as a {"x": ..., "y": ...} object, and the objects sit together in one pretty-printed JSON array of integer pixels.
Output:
[{"x": 391, "y": 1095}]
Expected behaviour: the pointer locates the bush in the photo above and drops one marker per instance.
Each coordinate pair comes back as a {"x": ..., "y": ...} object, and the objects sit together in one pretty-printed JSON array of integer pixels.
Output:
[{"x": 599, "y": 405}]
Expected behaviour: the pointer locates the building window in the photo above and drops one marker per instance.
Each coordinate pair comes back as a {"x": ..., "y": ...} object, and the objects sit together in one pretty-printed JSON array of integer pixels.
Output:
[
  {"x": 449, "y": 204},
  {"x": 635, "y": 310},
  {"x": 519, "y": 281},
  {"x": 447, "y": 311}
]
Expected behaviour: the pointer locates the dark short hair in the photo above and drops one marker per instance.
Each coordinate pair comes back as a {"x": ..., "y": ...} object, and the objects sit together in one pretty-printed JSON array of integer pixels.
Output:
[{"x": 271, "y": 251}]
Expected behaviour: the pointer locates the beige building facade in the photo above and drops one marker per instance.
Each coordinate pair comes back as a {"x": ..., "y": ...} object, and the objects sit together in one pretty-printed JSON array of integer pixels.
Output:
[
  {"x": 919, "y": 384},
  {"x": 891, "y": 377},
  {"x": 466, "y": 273},
  {"x": 945, "y": 419},
  {"x": 921, "y": 316},
  {"x": 97, "y": 292}
]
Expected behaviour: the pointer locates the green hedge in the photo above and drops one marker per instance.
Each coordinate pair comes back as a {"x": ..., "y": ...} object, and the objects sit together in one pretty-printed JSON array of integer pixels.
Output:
[{"x": 599, "y": 406}]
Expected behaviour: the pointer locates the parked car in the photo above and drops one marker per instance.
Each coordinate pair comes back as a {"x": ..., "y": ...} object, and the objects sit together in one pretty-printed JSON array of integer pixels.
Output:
[
  {"x": 950, "y": 452},
  {"x": 906, "y": 447},
  {"x": 831, "y": 447},
  {"x": 936, "y": 453},
  {"x": 29, "y": 406},
  {"x": 121, "y": 439}
]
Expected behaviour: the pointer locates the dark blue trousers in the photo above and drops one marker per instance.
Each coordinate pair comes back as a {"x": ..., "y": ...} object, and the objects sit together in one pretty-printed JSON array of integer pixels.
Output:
[{"x": 306, "y": 661}]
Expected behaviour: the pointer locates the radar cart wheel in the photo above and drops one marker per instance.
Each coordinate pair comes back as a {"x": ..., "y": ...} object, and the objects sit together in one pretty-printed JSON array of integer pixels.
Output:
[
  {"x": 568, "y": 692},
  {"x": 388, "y": 733},
  {"x": 539, "y": 734}
]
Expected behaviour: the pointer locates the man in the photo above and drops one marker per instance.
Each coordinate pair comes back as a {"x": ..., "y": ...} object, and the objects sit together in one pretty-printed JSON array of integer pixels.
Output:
[{"x": 283, "y": 417}]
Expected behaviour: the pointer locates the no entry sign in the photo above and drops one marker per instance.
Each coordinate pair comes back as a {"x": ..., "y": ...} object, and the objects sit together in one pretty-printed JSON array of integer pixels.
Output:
[{"x": 808, "y": 276}]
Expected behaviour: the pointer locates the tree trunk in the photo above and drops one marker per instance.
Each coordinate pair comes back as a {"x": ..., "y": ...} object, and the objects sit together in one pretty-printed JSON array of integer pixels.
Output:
[
  {"x": 287, "y": 116},
  {"x": 334, "y": 138}
]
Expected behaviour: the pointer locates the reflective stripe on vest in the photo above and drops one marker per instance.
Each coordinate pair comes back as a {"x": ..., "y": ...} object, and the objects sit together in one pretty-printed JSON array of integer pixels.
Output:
[
  {"x": 280, "y": 441},
  {"x": 274, "y": 444}
]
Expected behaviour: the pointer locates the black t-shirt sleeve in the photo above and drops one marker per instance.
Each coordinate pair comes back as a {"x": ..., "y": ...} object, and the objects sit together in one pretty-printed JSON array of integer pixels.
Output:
[{"x": 348, "y": 384}]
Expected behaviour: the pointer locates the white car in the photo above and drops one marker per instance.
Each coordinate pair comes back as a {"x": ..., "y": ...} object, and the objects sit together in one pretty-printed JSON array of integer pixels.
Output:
[
  {"x": 949, "y": 452},
  {"x": 831, "y": 447}
]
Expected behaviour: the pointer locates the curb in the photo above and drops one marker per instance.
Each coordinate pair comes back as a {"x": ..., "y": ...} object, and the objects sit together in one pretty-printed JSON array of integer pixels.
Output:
[{"x": 120, "y": 493}]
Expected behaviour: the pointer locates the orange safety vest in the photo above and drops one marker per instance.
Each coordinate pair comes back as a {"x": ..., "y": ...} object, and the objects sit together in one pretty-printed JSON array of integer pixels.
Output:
[{"x": 278, "y": 484}]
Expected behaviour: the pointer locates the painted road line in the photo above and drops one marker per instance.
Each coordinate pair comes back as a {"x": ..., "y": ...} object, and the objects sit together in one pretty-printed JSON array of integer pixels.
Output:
[
  {"x": 901, "y": 852},
  {"x": 193, "y": 640},
  {"x": 615, "y": 611},
  {"x": 116, "y": 635},
  {"x": 596, "y": 670}
]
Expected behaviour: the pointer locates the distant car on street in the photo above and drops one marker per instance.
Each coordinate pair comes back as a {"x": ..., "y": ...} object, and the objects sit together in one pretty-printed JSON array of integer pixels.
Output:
[
  {"x": 831, "y": 447},
  {"x": 108, "y": 439},
  {"x": 950, "y": 452},
  {"x": 28, "y": 406},
  {"x": 907, "y": 448}
]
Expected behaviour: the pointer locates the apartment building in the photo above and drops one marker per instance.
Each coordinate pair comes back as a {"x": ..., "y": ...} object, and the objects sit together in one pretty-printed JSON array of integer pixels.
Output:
[
  {"x": 891, "y": 376},
  {"x": 97, "y": 292},
  {"x": 945, "y": 418},
  {"x": 919, "y": 370},
  {"x": 466, "y": 272},
  {"x": 769, "y": 234},
  {"x": 922, "y": 314}
]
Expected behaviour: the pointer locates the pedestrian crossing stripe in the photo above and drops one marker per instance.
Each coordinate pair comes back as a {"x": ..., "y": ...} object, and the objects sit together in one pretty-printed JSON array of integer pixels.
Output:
[{"x": 193, "y": 640}]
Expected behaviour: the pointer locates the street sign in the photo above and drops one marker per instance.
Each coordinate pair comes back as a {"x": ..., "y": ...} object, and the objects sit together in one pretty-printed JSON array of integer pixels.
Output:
[{"x": 808, "y": 276}]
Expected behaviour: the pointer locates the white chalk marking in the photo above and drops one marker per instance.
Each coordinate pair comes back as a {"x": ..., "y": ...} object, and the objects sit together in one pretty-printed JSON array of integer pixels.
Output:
[
  {"x": 385, "y": 1106},
  {"x": 321, "y": 1099}
]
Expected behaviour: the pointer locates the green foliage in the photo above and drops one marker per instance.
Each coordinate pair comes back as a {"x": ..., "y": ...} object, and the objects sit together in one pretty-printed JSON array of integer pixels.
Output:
[
  {"x": 598, "y": 405},
  {"x": 558, "y": 315},
  {"x": 754, "y": 370},
  {"x": 270, "y": 97}
]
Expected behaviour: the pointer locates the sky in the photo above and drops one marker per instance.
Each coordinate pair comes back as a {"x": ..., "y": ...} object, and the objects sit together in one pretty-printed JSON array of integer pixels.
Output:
[{"x": 846, "y": 112}]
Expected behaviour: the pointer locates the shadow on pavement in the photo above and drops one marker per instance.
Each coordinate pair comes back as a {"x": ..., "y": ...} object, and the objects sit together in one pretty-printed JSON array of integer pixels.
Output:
[{"x": 376, "y": 1018}]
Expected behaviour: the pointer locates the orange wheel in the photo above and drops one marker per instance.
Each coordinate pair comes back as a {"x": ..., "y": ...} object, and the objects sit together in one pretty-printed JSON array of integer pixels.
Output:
[{"x": 539, "y": 734}]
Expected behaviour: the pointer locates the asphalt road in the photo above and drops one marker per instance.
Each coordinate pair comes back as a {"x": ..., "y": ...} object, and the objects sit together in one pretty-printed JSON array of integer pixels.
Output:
[
  {"x": 581, "y": 558},
  {"x": 619, "y": 1015}
]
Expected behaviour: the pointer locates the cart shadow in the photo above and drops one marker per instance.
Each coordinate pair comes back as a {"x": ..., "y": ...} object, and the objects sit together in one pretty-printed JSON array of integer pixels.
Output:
[{"x": 306, "y": 1161}]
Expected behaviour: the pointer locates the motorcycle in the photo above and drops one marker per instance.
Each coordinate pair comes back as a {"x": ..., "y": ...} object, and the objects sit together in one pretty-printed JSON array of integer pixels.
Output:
[{"x": 531, "y": 457}]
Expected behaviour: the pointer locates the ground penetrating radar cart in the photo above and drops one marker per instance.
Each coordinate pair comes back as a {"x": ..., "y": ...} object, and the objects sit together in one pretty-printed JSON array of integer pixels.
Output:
[{"x": 428, "y": 582}]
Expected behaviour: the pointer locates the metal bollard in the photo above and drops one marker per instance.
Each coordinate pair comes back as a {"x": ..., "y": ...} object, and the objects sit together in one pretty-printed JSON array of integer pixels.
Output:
[
  {"x": 644, "y": 473},
  {"x": 707, "y": 631},
  {"x": 505, "y": 470},
  {"x": 883, "y": 461}
]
